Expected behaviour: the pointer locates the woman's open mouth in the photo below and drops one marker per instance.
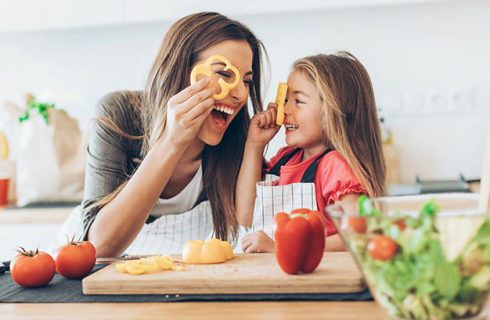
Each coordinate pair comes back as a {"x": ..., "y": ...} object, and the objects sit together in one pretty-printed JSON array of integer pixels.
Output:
[{"x": 220, "y": 114}]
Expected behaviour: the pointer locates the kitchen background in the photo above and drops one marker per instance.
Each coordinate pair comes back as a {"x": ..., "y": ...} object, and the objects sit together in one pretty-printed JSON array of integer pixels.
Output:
[{"x": 429, "y": 61}]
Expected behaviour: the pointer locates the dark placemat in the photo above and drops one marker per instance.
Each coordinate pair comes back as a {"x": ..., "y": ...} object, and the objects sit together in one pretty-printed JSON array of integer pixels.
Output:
[{"x": 61, "y": 290}]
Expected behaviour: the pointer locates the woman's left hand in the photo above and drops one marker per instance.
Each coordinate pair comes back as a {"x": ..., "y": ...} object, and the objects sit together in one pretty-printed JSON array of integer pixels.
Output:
[{"x": 257, "y": 242}]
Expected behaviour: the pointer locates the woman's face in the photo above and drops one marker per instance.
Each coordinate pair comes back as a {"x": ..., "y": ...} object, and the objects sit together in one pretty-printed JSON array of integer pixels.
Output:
[{"x": 239, "y": 53}]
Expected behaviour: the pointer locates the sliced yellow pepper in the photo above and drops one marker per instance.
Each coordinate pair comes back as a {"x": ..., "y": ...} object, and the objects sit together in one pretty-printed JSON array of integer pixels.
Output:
[
  {"x": 207, "y": 252},
  {"x": 146, "y": 265},
  {"x": 282, "y": 90},
  {"x": 205, "y": 68}
]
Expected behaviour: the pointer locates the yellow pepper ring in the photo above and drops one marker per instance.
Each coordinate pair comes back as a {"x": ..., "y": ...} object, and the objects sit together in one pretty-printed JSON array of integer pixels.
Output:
[{"x": 205, "y": 68}]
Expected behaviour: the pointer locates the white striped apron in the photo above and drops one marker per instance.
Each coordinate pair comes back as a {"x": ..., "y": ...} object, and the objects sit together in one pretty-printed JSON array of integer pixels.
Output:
[
  {"x": 272, "y": 198},
  {"x": 169, "y": 233}
]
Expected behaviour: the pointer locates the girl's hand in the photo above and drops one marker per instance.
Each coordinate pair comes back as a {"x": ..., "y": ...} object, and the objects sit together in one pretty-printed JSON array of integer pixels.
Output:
[
  {"x": 263, "y": 126},
  {"x": 187, "y": 111},
  {"x": 257, "y": 242}
]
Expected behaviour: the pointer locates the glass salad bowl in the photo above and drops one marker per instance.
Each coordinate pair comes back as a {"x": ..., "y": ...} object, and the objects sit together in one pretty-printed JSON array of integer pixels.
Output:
[{"x": 423, "y": 257}]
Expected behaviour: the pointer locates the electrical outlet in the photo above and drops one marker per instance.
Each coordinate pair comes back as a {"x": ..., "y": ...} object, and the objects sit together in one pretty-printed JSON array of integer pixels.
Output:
[
  {"x": 435, "y": 102},
  {"x": 461, "y": 100}
]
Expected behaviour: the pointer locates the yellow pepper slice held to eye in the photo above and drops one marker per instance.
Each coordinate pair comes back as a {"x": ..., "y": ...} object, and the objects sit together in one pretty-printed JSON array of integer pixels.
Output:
[
  {"x": 282, "y": 90},
  {"x": 205, "y": 68}
]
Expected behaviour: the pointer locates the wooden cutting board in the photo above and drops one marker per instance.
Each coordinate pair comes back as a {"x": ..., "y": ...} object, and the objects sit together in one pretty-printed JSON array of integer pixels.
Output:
[{"x": 246, "y": 273}]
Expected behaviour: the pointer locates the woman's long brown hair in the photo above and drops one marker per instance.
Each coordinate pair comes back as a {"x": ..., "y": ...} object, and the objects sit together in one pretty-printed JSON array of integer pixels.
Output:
[
  {"x": 183, "y": 43},
  {"x": 349, "y": 116}
]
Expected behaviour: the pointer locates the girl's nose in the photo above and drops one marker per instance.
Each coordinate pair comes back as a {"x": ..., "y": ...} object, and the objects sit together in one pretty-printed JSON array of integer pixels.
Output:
[{"x": 287, "y": 107}]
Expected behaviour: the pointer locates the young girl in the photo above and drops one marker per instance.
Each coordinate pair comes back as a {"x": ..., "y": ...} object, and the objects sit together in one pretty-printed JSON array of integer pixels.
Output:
[{"x": 333, "y": 148}]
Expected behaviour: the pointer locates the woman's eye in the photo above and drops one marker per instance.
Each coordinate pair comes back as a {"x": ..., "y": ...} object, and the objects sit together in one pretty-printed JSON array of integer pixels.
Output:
[
  {"x": 224, "y": 74},
  {"x": 298, "y": 101},
  {"x": 248, "y": 82}
]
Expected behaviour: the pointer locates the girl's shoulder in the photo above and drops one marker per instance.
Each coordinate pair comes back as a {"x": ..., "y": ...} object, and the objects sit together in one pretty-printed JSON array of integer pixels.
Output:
[{"x": 334, "y": 164}]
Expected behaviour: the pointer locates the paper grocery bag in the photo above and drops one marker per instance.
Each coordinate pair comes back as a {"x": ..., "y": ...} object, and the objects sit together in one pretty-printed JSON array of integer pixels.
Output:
[{"x": 51, "y": 159}]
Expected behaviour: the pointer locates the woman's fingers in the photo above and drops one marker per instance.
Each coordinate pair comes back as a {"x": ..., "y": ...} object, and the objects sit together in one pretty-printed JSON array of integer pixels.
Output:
[
  {"x": 188, "y": 92},
  {"x": 199, "y": 109},
  {"x": 193, "y": 101}
]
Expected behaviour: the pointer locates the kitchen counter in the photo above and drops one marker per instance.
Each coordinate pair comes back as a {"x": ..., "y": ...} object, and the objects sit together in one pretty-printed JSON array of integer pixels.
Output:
[
  {"x": 196, "y": 310},
  {"x": 11, "y": 215}
]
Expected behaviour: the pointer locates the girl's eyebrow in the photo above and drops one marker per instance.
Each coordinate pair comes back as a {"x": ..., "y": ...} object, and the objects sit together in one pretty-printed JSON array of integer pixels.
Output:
[{"x": 301, "y": 92}]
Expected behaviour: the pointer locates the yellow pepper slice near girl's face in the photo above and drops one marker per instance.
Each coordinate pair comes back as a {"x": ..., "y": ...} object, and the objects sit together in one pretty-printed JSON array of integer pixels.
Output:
[{"x": 205, "y": 68}]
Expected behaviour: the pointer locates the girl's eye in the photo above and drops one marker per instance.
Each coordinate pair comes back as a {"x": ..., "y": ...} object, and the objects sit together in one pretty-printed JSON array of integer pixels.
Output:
[
  {"x": 248, "y": 82},
  {"x": 298, "y": 101}
]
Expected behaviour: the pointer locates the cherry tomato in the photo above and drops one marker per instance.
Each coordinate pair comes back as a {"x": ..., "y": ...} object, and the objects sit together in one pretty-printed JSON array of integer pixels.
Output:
[
  {"x": 400, "y": 223},
  {"x": 382, "y": 248},
  {"x": 32, "y": 269},
  {"x": 75, "y": 260},
  {"x": 357, "y": 224}
]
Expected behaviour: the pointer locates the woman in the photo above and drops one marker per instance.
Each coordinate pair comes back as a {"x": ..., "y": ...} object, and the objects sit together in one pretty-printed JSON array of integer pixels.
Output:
[{"x": 163, "y": 165}]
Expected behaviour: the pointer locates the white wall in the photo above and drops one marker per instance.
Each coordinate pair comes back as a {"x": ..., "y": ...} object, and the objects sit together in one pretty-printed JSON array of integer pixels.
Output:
[{"x": 430, "y": 66}]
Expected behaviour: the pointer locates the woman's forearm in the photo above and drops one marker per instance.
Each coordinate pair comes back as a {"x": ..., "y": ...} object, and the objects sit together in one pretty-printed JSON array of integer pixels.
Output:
[
  {"x": 250, "y": 173},
  {"x": 118, "y": 223}
]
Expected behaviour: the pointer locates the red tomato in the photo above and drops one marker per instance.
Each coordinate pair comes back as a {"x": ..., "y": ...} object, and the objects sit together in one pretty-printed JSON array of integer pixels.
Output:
[
  {"x": 357, "y": 224},
  {"x": 75, "y": 260},
  {"x": 382, "y": 247},
  {"x": 32, "y": 269},
  {"x": 400, "y": 223}
]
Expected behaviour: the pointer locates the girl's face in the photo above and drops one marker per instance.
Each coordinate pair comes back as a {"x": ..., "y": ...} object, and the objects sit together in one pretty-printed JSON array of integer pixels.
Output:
[
  {"x": 239, "y": 53},
  {"x": 303, "y": 120}
]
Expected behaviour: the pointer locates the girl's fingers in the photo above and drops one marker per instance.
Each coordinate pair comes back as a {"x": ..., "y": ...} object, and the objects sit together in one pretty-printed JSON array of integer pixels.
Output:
[
  {"x": 271, "y": 118},
  {"x": 251, "y": 249},
  {"x": 190, "y": 90},
  {"x": 272, "y": 105}
]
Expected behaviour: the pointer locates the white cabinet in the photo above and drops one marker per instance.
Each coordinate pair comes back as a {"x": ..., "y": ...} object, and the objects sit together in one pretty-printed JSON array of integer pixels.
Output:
[{"x": 32, "y": 15}]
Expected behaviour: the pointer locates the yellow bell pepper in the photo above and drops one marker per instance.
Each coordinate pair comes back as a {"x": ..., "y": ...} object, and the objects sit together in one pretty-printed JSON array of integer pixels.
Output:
[
  {"x": 207, "y": 252},
  {"x": 205, "y": 68}
]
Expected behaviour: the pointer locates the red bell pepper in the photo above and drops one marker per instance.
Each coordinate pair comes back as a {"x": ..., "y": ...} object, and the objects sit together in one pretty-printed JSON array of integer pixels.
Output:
[{"x": 299, "y": 240}]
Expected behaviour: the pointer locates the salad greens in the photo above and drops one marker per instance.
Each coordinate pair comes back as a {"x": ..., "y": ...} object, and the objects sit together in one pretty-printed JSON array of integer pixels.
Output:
[{"x": 419, "y": 282}]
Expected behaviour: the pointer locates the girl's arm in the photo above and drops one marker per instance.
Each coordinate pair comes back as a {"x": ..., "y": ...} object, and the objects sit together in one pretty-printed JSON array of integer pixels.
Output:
[
  {"x": 118, "y": 223},
  {"x": 262, "y": 129}
]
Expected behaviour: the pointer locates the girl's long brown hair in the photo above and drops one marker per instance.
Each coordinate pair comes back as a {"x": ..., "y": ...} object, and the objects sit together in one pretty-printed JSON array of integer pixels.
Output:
[
  {"x": 183, "y": 43},
  {"x": 349, "y": 116}
]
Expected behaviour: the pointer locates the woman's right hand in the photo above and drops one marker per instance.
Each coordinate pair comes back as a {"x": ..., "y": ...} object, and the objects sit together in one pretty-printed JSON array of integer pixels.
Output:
[
  {"x": 187, "y": 111},
  {"x": 263, "y": 126}
]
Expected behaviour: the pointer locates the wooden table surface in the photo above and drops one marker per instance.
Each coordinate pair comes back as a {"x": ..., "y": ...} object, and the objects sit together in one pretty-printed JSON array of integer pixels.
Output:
[{"x": 195, "y": 310}]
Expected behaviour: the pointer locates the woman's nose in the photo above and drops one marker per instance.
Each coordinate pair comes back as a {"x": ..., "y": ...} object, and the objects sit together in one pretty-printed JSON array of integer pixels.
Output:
[{"x": 240, "y": 92}]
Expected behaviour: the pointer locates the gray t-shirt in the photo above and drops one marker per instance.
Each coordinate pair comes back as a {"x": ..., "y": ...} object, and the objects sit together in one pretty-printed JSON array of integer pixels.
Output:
[{"x": 110, "y": 159}]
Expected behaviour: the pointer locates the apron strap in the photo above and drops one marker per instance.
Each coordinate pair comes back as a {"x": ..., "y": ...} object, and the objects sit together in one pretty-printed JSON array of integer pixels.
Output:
[
  {"x": 204, "y": 161},
  {"x": 276, "y": 169},
  {"x": 309, "y": 175}
]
